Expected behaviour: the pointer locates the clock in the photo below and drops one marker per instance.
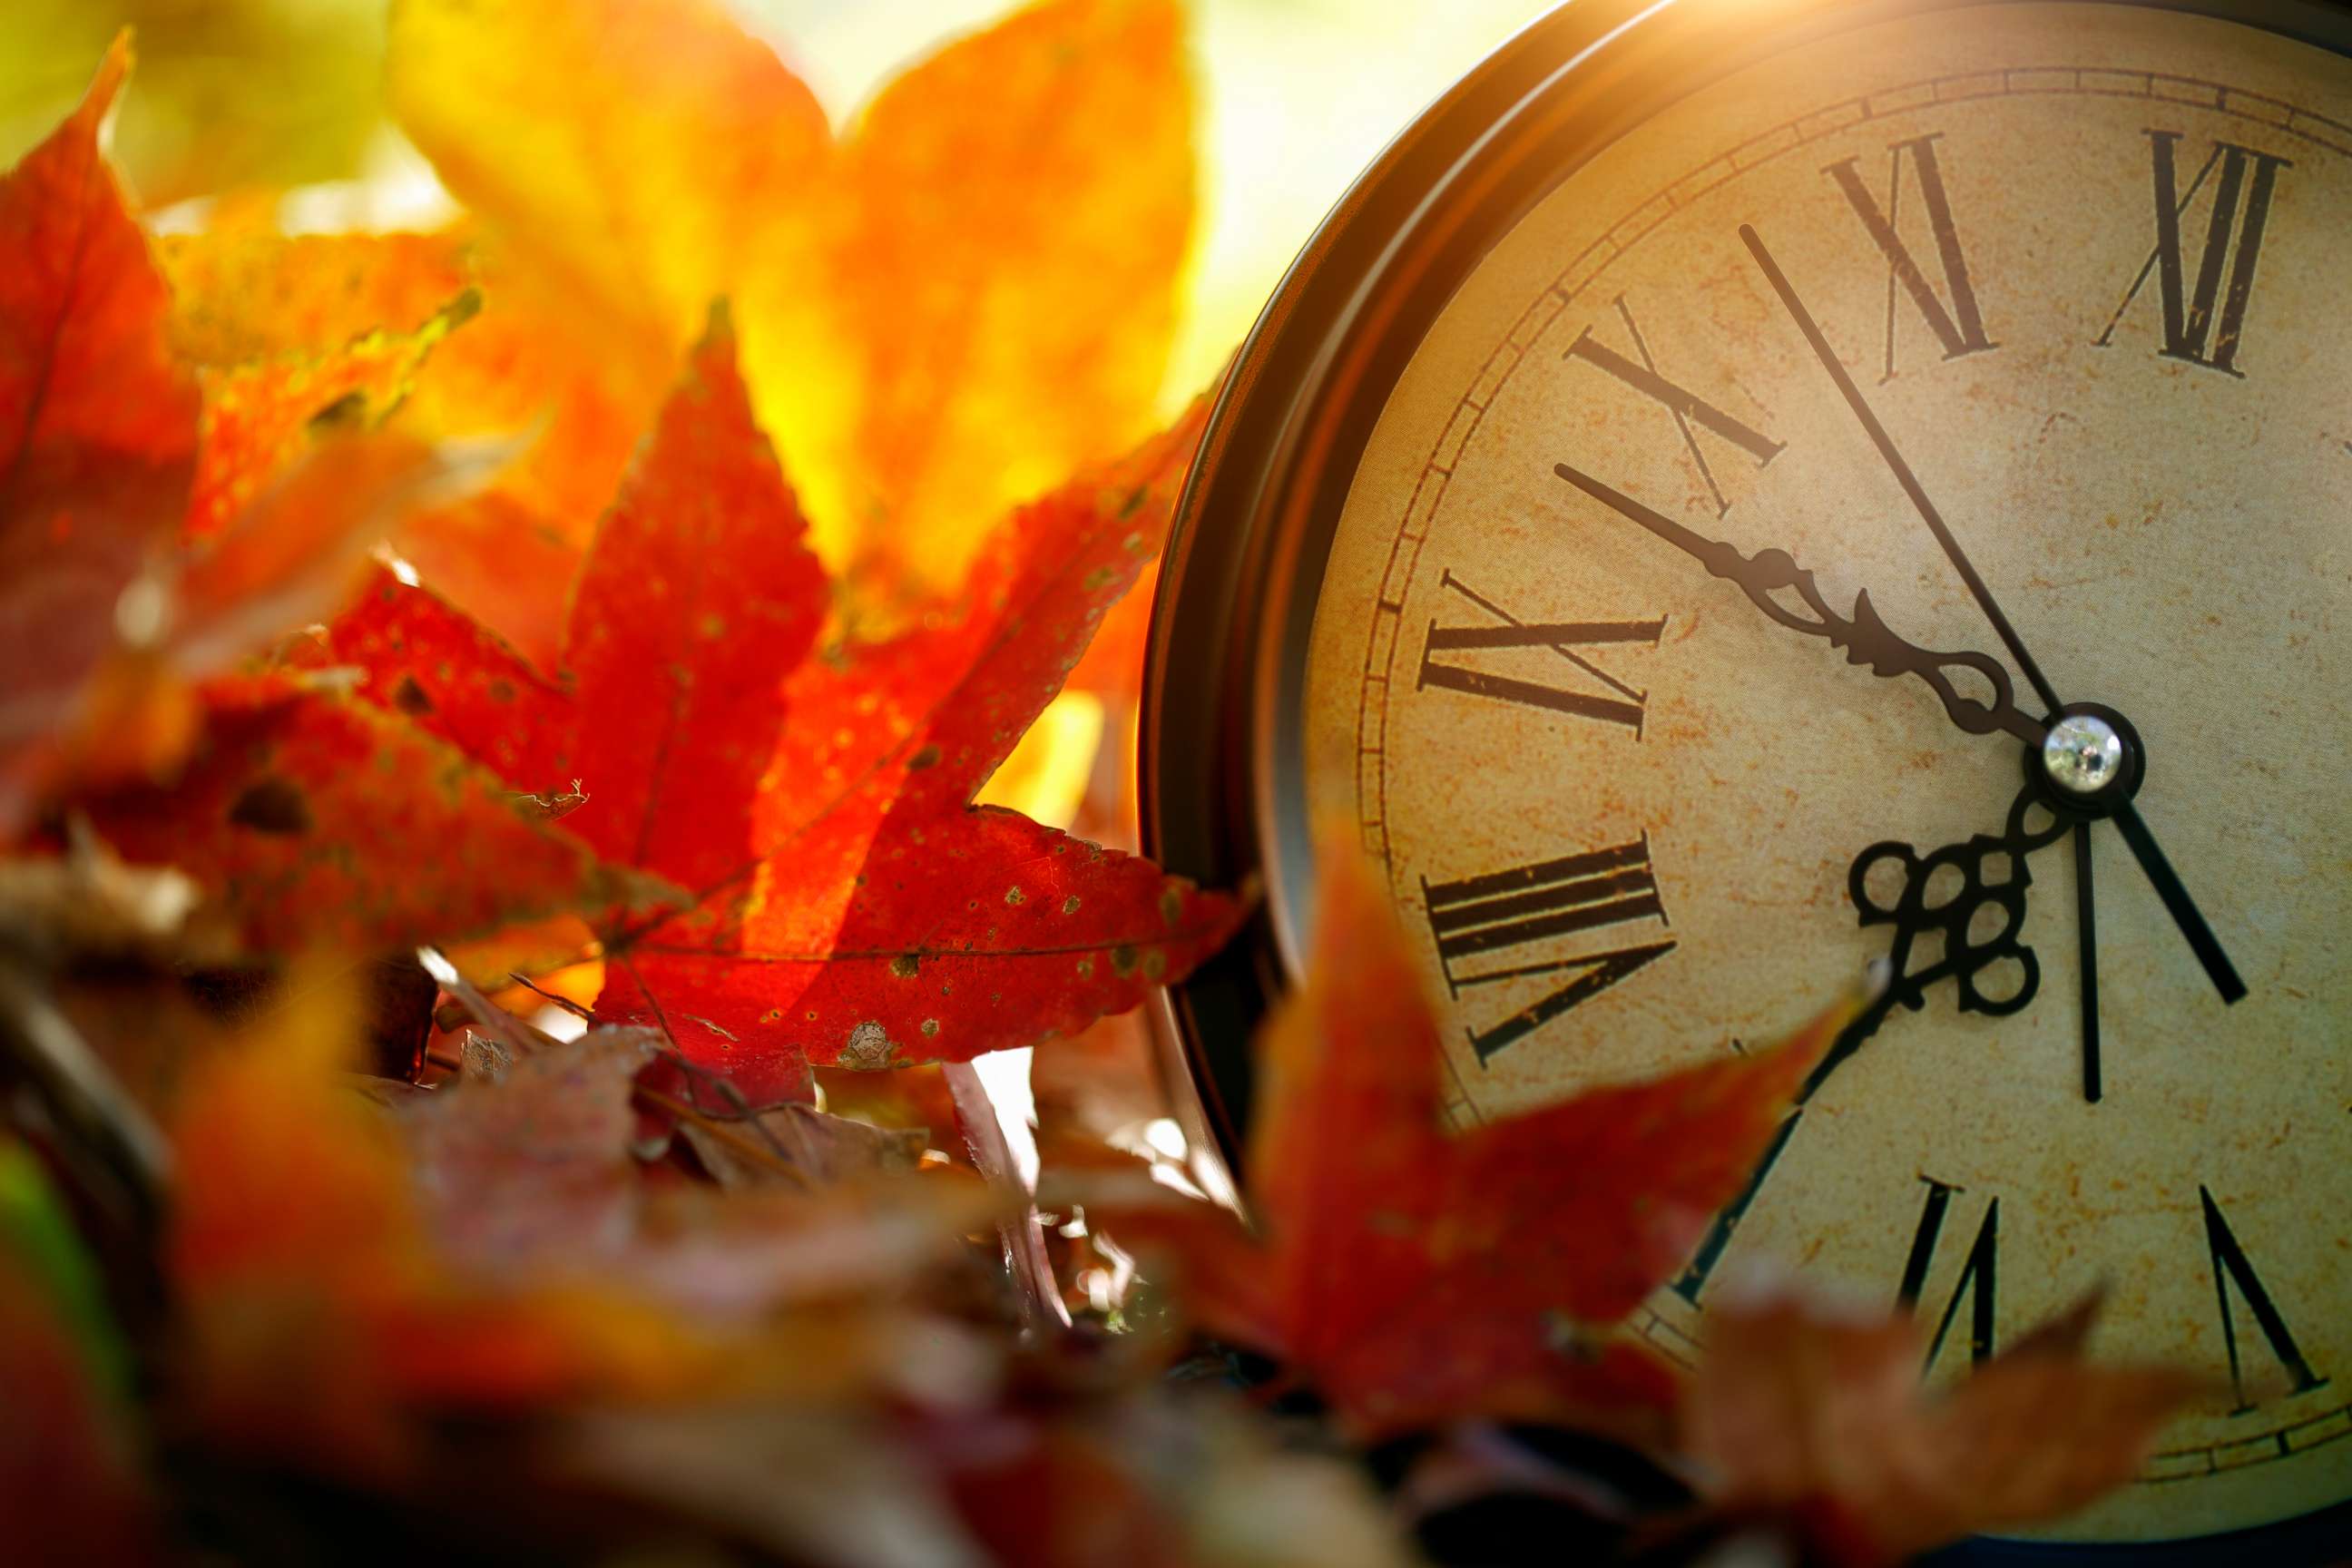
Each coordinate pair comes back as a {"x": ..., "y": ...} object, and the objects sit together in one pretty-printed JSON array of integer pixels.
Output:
[{"x": 1741, "y": 491}]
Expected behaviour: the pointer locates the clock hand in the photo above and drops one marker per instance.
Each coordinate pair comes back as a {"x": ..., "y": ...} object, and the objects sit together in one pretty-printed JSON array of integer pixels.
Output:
[
  {"x": 2087, "y": 921},
  {"x": 1964, "y": 953},
  {"x": 1865, "y": 638},
  {"x": 2158, "y": 870},
  {"x": 1902, "y": 470}
]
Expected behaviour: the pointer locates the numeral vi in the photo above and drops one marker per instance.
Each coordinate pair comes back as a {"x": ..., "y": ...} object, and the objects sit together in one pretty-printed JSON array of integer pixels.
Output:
[{"x": 1977, "y": 1279}]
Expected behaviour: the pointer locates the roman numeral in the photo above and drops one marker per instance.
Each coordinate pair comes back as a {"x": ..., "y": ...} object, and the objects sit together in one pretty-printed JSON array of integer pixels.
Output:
[
  {"x": 1718, "y": 1236},
  {"x": 1958, "y": 327},
  {"x": 1691, "y": 413},
  {"x": 2230, "y": 1267},
  {"x": 2194, "y": 329},
  {"x": 1615, "y": 703},
  {"x": 1977, "y": 1272},
  {"x": 1507, "y": 924}
]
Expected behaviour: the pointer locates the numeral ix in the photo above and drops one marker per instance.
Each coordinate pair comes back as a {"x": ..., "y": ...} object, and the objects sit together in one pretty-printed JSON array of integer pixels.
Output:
[{"x": 1614, "y": 703}]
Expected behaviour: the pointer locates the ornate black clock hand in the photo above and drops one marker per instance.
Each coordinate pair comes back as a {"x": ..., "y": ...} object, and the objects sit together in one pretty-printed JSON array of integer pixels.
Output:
[
  {"x": 2159, "y": 872},
  {"x": 1994, "y": 875},
  {"x": 1863, "y": 635}
]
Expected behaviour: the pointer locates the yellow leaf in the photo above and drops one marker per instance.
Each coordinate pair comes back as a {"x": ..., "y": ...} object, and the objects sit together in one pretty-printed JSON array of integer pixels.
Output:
[
  {"x": 942, "y": 314},
  {"x": 635, "y": 152},
  {"x": 1014, "y": 220}
]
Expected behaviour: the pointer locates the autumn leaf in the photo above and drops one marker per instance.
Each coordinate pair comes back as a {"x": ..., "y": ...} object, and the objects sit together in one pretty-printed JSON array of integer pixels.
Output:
[
  {"x": 1415, "y": 1277},
  {"x": 422, "y": 1267},
  {"x": 98, "y": 423},
  {"x": 853, "y": 906},
  {"x": 315, "y": 821},
  {"x": 1804, "y": 1405},
  {"x": 259, "y": 416},
  {"x": 156, "y": 526},
  {"x": 945, "y": 312}
]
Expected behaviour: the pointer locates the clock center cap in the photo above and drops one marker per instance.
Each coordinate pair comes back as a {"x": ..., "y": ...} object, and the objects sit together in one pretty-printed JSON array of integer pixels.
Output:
[
  {"x": 2083, "y": 754},
  {"x": 2091, "y": 761}
]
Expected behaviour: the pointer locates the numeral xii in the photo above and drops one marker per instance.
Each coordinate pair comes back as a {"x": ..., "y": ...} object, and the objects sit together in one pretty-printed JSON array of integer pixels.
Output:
[{"x": 2204, "y": 324}]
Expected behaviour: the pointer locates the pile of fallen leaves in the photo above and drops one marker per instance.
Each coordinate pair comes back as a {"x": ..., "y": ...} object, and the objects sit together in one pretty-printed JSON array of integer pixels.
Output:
[{"x": 495, "y": 915}]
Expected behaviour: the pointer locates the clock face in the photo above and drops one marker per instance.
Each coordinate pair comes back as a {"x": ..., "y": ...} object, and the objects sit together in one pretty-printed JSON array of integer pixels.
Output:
[{"x": 2069, "y": 284}]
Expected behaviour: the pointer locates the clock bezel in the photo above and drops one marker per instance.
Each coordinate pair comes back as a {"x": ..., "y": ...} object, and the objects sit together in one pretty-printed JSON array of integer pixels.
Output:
[{"x": 1224, "y": 674}]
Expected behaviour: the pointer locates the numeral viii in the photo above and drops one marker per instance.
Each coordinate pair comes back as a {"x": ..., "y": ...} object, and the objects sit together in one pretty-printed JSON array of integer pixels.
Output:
[{"x": 1507, "y": 924}]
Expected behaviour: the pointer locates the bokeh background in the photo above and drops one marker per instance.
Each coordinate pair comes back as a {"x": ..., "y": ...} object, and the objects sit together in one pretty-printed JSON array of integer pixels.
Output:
[{"x": 235, "y": 96}]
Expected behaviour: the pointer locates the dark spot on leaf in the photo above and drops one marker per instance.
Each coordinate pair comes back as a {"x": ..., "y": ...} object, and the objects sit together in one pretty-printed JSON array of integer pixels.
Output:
[
  {"x": 1134, "y": 502},
  {"x": 344, "y": 412},
  {"x": 502, "y": 691},
  {"x": 272, "y": 805},
  {"x": 905, "y": 965},
  {"x": 928, "y": 757},
  {"x": 1122, "y": 961},
  {"x": 412, "y": 698}
]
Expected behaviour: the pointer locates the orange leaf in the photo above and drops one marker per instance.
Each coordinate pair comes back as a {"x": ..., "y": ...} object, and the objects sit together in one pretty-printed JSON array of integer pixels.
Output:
[
  {"x": 696, "y": 601},
  {"x": 889, "y": 921},
  {"x": 1416, "y": 1277},
  {"x": 98, "y": 425},
  {"x": 1016, "y": 211},
  {"x": 635, "y": 152},
  {"x": 1799, "y": 1405},
  {"x": 944, "y": 312},
  {"x": 856, "y": 908},
  {"x": 259, "y": 418},
  {"x": 317, "y": 822}
]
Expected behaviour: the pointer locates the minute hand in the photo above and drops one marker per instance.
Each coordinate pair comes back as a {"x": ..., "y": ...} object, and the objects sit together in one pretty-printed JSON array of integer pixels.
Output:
[{"x": 1865, "y": 638}]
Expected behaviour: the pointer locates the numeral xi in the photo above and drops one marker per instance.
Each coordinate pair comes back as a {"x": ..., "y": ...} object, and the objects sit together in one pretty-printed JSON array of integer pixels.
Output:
[{"x": 1959, "y": 329}]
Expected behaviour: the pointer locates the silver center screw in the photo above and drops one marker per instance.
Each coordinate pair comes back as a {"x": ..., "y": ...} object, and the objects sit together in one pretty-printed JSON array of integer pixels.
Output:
[{"x": 2083, "y": 754}]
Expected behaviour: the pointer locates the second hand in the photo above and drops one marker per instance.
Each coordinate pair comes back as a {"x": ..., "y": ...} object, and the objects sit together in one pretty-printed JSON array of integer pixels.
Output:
[{"x": 2169, "y": 888}]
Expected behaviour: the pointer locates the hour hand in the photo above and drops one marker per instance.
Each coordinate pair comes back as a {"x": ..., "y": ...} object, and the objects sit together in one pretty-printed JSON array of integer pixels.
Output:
[{"x": 1865, "y": 636}]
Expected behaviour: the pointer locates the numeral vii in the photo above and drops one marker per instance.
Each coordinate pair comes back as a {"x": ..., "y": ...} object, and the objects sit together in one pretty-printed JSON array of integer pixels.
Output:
[
  {"x": 1509, "y": 924},
  {"x": 2202, "y": 324},
  {"x": 1959, "y": 327},
  {"x": 2230, "y": 1267},
  {"x": 1977, "y": 1271},
  {"x": 1614, "y": 703}
]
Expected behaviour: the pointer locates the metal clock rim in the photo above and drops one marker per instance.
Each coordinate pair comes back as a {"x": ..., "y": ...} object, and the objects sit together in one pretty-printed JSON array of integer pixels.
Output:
[{"x": 1226, "y": 653}]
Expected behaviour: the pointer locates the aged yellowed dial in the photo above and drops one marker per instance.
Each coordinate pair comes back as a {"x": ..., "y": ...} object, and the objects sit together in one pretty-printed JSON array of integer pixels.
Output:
[{"x": 1648, "y": 658}]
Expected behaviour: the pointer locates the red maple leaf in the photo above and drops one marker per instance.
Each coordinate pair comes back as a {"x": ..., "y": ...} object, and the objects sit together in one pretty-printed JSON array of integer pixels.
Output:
[
  {"x": 1415, "y": 1277},
  {"x": 851, "y": 904},
  {"x": 98, "y": 422}
]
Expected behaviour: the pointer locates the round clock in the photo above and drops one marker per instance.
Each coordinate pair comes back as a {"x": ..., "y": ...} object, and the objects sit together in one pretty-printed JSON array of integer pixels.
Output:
[{"x": 1741, "y": 491}]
